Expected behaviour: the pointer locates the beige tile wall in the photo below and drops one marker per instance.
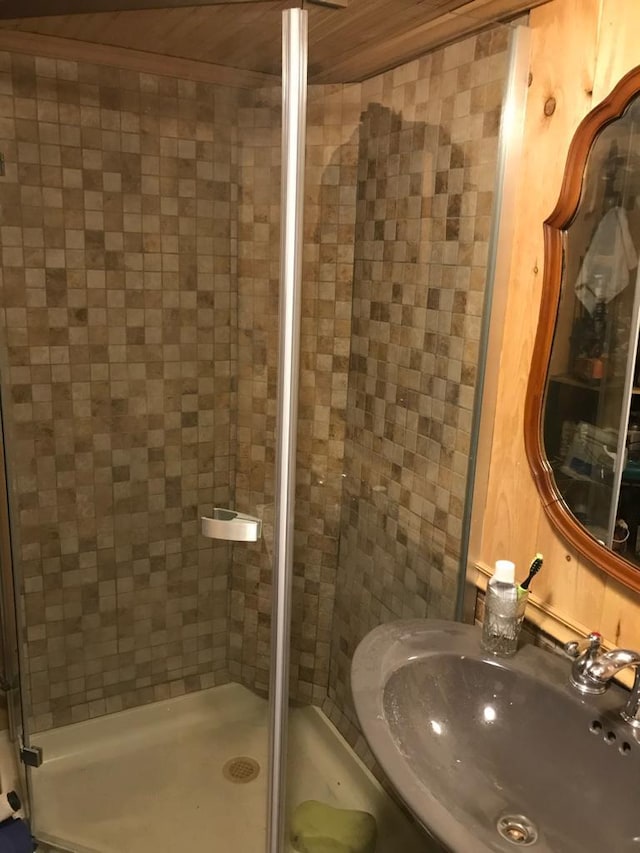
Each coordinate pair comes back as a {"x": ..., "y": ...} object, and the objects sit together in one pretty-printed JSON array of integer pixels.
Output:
[
  {"x": 257, "y": 289},
  {"x": 330, "y": 176},
  {"x": 116, "y": 222},
  {"x": 139, "y": 227},
  {"x": 426, "y": 171},
  {"x": 399, "y": 179}
]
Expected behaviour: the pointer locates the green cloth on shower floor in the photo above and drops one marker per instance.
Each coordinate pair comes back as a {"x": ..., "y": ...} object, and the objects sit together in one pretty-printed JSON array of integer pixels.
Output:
[{"x": 317, "y": 828}]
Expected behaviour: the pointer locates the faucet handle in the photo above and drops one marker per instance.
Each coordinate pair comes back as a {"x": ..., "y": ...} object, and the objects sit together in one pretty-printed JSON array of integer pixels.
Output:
[
  {"x": 584, "y": 654},
  {"x": 588, "y": 648}
]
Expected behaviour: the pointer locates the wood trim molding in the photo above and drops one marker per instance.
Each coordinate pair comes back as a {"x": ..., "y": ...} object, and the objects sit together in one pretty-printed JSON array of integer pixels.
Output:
[
  {"x": 143, "y": 61},
  {"x": 553, "y": 503},
  {"x": 10, "y": 9}
]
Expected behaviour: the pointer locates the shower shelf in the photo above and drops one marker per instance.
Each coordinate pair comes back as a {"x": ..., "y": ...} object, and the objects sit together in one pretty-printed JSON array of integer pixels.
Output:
[{"x": 232, "y": 526}]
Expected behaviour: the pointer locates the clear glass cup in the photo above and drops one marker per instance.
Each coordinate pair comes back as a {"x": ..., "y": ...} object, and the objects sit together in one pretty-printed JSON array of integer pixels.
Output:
[{"x": 502, "y": 622}]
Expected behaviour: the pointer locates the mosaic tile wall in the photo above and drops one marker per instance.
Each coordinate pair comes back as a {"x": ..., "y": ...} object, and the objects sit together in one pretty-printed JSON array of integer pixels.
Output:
[
  {"x": 426, "y": 170},
  {"x": 257, "y": 288},
  {"x": 117, "y": 216},
  {"x": 332, "y": 146},
  {"x": 139, "y": 228},
  {"x": 400, "y": 175}
]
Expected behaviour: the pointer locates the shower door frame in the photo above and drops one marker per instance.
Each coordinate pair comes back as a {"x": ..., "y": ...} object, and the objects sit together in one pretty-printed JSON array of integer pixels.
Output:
[{"x": 294, "y": 105}]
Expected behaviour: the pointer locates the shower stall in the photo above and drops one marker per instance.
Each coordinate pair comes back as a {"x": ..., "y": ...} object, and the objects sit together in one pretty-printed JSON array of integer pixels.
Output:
[{"x": 266, "y": 298}]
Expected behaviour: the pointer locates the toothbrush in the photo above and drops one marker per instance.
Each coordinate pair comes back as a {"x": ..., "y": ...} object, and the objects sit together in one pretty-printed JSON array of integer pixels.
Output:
[{"x": 534, "y": 568}]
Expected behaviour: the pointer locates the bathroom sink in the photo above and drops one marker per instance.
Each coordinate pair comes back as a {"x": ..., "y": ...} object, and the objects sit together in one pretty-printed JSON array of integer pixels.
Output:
[{"x": 496, "y": 754}]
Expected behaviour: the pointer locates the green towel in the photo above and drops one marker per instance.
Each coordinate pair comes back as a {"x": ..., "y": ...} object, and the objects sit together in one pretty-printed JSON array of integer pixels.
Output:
[{"x": 318, "y": 828}]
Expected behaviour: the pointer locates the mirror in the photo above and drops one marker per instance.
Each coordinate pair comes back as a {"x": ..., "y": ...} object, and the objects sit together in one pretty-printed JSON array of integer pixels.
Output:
[{"x": 582, "y": 415}]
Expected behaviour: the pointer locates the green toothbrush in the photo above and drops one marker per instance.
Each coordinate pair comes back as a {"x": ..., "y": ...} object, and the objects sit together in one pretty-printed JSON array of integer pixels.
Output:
[{"x": 534, "y": 568}]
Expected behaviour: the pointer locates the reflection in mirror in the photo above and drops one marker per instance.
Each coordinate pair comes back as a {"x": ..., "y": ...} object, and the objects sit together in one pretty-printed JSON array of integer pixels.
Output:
[{"x": 591, "y": 414}]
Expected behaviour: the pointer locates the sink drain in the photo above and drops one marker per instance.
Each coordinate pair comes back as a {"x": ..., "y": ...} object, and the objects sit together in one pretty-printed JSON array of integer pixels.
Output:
[{"x": 517, "y": 829}]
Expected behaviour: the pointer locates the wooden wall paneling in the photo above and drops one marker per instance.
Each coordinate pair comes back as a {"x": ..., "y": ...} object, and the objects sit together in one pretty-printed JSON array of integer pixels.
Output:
[
  {"x": 567, "y": 587},
  {"x": 618, "y": 44},
  {"x": 21, "y": 9},
  {"x": 185, "y": 27},
  {"x": 205, "y": 45},
  {"x": 362, "y": 60},
  {"x": 134, "y": 60},
  {"x": 242, "y": 50},
  {"x": 558, "y": 579},
  {"x": 248, "y": 40},
  {"x": 347, "y": 44},
  {"x": 511, "y": 139},
  {"x": 561, "y": 68},
  {"x": 362, "y": 25},
  {"x": 14, "y": 9},
  {"x": 619, "y": 622},
  {"x": 581, "y": 50},
  {"x": 588, "y": 597},
  {"x": 220, "y": 30}
]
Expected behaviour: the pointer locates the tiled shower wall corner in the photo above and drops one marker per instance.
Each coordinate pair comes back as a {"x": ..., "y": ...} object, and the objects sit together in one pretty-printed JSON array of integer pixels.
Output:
[
  {"x": 329, "y": 209},
  {"x": 426, "y": 173},
  {"x": 116, "y": 222},
  {"x": 400, "y": 175},
  {"x": 257, "y": 288},
  {"x": 128, "y": 202}
]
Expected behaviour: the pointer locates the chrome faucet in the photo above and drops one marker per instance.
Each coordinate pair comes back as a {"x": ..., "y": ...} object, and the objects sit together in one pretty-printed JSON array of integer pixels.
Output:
[{"x": 592, "y": 671}]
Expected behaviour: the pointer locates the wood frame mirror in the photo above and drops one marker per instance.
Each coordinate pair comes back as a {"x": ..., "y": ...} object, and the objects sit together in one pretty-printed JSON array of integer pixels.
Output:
[{"x": 556, "y": 263}]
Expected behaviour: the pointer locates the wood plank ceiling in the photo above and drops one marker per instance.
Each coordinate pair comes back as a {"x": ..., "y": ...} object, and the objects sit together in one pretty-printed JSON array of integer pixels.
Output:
[{"x": 346, "y": 45}]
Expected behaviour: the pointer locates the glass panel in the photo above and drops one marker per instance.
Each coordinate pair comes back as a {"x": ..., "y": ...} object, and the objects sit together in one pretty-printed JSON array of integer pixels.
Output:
[
  {"x": 141, "y": 277},
  {"x": 399, "y": 190},
  {"x": 12, "y": 694},
  {"x": 139, "y": 219}
]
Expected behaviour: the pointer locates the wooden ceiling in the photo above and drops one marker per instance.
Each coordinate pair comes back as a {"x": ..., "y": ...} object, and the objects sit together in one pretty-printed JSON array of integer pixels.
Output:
[{"x": 346, "y": 44}]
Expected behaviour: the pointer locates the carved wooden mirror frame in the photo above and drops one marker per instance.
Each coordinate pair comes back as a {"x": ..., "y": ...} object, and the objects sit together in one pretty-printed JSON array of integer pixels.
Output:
[{"x": 553, "y": 503}]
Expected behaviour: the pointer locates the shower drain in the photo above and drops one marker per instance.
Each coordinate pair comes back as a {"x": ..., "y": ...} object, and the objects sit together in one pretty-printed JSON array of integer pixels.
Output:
[
  {"x": 241, "y": 769},
  {"x": 517, "y": 829}
]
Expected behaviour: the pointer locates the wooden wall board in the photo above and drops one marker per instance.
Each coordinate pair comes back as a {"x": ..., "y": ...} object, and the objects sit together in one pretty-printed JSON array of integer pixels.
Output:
[
  {"x": 135, "y": 60},
  {"x": 513, "y": 506},
  {"x": 510, "y": 157},
  {"x": 12, "y": 9},
  {"x": 618, "y": 44},
  {"x": 246, "y": 36},
  {"x": 580, "y": 49},
  {"x": 346, "y": 44},
  {"x": 376, "y": 56}
]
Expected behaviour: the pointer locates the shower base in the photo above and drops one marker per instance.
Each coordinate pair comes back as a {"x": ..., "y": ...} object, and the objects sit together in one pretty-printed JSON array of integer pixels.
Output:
[{"x": 160, "y": 778}]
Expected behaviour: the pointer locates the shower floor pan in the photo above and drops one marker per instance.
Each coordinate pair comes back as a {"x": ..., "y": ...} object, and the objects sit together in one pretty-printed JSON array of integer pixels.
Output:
[{"x": 162, "y": 778}]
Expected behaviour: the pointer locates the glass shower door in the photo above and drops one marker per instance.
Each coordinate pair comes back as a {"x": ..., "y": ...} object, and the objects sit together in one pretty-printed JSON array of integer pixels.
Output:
[
  {"x": 399, "y": 193},
  {"x": 139, "y": 330}
]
